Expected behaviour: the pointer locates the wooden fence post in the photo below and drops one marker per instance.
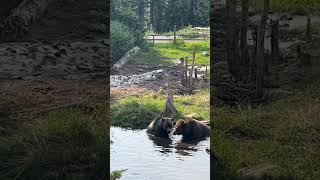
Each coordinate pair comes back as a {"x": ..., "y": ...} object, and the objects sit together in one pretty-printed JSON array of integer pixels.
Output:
[
  {"x": 192, "y": 67},
  {"x": 174, "y": 34},
  {"x": 153, "y": 39}
]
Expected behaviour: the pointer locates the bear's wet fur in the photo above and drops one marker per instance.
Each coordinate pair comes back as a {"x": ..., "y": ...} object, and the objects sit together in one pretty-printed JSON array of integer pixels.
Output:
[
  {"x": 160, "y": 127},
  {"x": 191, "y": 130}
]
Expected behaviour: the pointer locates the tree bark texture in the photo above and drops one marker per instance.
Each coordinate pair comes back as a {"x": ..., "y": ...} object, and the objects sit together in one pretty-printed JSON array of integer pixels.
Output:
[{"x": 260, "y": 50}]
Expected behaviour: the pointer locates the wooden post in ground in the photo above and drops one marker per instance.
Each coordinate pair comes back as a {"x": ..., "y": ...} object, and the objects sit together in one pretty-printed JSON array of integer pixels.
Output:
[
  {"x": 192, "y": 67},
  {"x": 196, "y": 74},
  {"x": 174, "y": 34},
  {"x": 153, "y": 39},
  {"x": 309, "y": 30},
  {"x": 275, "y": 53},
  {"x": 183, "y": 78},
  {"x": 186, "y": 72},
  {"x": 260, "y": 50}
]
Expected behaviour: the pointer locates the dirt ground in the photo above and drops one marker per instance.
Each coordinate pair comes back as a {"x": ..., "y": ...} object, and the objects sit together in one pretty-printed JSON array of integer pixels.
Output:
[
  {"x": 135, "y": 78},
  {"x": 61, "y": 62}
]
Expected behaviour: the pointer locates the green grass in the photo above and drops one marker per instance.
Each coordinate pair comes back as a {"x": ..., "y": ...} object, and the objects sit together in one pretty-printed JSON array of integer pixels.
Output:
[
  {"x": 64, "y": 144},
  {"x": 284, "y": 133},
  {"x": 292, "y": 6},
  {"x": 185, "y": 30},
  {"x": 138, "y": 111},
  {"x": 115, "y": 175},
  {"x": 163, "y": 53}
]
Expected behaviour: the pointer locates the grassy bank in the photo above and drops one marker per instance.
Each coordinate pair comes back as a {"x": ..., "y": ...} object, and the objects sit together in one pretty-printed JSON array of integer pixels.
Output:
[
  {"x": 64, "y": 144},
  {"x": 292, "y": 6},
  {"x": 138, "y": 111},
  {"x": 284, "y": 133},
  {"x": 163, "y": 53}
]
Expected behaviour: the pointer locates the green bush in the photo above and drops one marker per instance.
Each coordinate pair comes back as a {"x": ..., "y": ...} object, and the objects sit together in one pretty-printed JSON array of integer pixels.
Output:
[{"x": 122, "y": 39}]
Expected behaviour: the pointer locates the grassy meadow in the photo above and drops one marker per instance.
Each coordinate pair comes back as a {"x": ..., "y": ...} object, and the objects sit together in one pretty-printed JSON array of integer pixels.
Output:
[
  {"x": 163, "y": 53},
  {"x": 283, "y": 133}
]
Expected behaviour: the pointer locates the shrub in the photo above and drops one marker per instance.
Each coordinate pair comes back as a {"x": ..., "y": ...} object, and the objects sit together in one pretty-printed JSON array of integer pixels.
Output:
[{"x": 122, "y": 39}]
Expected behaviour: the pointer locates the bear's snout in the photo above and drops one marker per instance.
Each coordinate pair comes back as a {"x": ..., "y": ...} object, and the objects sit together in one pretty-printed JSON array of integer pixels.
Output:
[{"x": 174, "y": 132}]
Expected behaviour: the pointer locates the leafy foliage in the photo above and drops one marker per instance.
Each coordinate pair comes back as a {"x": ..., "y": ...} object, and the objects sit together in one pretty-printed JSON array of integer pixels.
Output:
[{"x": 122, "y": 39}]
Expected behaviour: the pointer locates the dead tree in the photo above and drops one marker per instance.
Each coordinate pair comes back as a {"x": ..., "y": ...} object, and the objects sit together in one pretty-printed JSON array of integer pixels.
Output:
[
  {"x": 309, "y": 30},
  {"x": 243, "y": 36},
  {"x": 260, "y": 50},
  {"x": 170, "y": 110},
  {"x": 18, "y": 23},
  {"x": 275, "y": 52}
]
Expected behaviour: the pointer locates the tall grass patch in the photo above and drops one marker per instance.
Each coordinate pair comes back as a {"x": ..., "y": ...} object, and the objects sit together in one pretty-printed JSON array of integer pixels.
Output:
[
  {"x": 65, "y": 144},
  {"x": 284, "y": 133}
]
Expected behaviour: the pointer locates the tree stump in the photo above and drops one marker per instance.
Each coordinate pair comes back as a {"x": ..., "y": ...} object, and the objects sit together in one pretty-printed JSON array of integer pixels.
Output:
[{"x": 170, "y": 110}]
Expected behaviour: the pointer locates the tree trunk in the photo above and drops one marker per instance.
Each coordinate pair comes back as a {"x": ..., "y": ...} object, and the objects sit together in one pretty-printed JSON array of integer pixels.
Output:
[
  {"x": 140, "y": 13},
  {"x": 231, "y": 44},
  {"x": 309, "y": 31},
  {"x": 275, "y": 53},
  {"x": 152, "y": 14},
  {"x": 244, "y": 29},
  {"x": 260, "y": 50},
  {"x": 18, "y": 23}
]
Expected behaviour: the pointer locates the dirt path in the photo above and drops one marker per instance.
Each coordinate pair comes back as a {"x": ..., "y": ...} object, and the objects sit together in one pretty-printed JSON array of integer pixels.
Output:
[{"x": 61, "y": 62}]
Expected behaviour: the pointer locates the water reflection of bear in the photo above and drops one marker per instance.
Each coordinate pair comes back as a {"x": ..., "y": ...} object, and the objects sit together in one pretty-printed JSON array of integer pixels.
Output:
[
  {"x": 166, "y": 145},
  {"x": 193, "y": 132}
]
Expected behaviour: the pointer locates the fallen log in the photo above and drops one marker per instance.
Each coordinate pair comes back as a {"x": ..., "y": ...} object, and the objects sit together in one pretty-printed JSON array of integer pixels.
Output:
[{"x": 19, "y": 21}]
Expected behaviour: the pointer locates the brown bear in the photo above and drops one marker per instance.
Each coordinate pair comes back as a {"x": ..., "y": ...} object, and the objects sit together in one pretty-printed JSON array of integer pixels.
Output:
[
  {"x": 160, "y": 127},
  {"x": 191, "y": 130}
]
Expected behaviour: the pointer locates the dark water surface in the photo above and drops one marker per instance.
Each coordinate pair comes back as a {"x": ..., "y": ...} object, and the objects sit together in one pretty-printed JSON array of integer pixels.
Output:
[{"x": 149, "y": 158}]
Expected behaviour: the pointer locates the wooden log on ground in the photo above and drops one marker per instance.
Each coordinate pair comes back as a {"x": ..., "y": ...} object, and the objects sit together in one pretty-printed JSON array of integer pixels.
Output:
[{"x": 18, "y": 23}]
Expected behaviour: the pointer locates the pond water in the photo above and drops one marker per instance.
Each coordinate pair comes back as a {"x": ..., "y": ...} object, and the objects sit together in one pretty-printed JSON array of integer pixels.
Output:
[{"x": 148, "y": 158}]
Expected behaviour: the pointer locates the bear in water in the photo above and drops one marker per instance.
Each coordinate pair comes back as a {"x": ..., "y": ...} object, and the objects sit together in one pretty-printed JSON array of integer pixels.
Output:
[
  {"x": 160, "y": 127},
  {"x": 191, "y": 130}
]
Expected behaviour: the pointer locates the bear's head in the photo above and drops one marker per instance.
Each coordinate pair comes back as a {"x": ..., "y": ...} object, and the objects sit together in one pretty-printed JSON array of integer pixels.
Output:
[
  {"x": 166, "y": 124},
  {"x": 179, "y": 128}
]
